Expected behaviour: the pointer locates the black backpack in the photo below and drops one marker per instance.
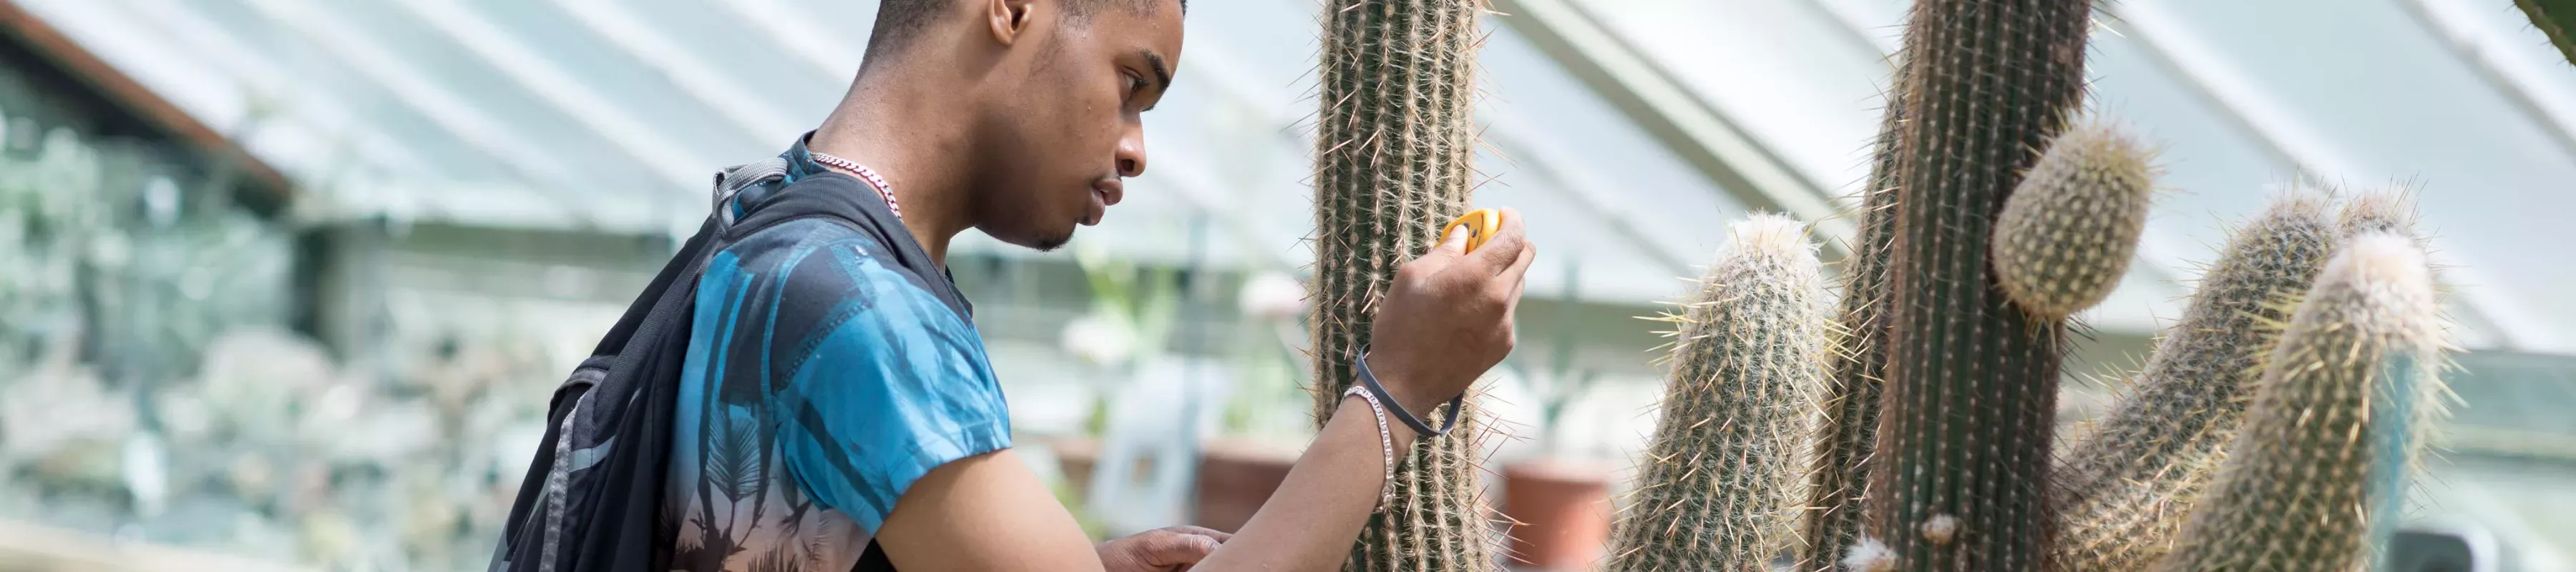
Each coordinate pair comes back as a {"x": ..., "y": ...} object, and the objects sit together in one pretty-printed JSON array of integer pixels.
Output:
[{"x": 592, "y": 498}]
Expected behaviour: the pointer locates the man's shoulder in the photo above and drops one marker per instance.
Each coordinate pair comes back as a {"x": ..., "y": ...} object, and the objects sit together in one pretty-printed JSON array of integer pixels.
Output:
[{"x": 810, "y": 276}]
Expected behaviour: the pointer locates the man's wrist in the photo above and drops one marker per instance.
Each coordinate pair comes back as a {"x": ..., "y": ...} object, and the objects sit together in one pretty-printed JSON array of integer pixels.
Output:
[{"x": 1400, "y": 383}]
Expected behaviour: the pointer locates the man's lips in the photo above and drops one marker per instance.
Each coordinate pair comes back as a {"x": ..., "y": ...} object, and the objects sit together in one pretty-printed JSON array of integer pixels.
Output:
[{"x": 1104, "y": 193}]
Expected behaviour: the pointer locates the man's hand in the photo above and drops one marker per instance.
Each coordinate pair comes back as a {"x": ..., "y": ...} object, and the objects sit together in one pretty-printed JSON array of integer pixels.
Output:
[
  {"x": 1171, "y": 549},
  {"x": 1447, "y": 316}
]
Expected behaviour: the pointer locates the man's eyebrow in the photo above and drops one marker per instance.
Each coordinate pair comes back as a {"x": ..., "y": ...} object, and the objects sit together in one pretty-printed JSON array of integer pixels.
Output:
[{"x": 1162, "y": 72}]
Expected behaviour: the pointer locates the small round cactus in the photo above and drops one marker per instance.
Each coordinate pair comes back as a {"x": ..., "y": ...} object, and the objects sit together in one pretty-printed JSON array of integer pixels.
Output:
[{"x": 2069, "y": 230}]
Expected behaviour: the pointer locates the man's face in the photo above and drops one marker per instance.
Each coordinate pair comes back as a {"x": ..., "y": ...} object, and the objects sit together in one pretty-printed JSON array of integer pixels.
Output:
[{"x": 1070, "y": 127}]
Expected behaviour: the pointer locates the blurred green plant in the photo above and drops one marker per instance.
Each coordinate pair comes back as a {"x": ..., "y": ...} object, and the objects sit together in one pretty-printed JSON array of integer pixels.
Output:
[{"x": 1134, "y": 309}]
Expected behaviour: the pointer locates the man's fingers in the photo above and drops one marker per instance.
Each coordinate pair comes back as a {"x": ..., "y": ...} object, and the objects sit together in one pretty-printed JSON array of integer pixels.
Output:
[
  {"x": 1506, "y": 245},
  {"x": 1441, "y": 255},
  {"x": 1163, "y": 548},
  {"x": 1219, "y": 535},
  {"x": 1519, "y": 269}
]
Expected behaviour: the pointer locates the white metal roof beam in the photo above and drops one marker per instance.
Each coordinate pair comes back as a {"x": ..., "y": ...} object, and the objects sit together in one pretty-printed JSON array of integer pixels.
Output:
[
  {"x": 2478, "y": 49},
  {"x": 654, "y": 152},
  {"x": 795, "y": 31},
  {"x": 260, "y": 80},
  {"x": 2170, "y": 46},
  {"x": 1669, "y": 111},
  {"x": 760, "y": 120},
  {"x": 413, "y": 88}
]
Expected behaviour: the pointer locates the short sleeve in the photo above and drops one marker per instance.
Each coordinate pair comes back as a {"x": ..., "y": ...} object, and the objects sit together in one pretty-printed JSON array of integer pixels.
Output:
[{"x": 892, "y": 383}]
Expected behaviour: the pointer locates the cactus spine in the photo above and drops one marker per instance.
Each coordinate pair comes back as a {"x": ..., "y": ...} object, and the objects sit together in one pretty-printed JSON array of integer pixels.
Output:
[
  {"x": 1847, "y": 427},
  {"x": 1718, "y": 488},
  {"x": 1971, "y": 385},
  {"x": 1392, "y": 162},
  {"x": 2122, "y": 493},
  {"x": 2334, "y": 421},
  {"x": 2067, "y": 233}
]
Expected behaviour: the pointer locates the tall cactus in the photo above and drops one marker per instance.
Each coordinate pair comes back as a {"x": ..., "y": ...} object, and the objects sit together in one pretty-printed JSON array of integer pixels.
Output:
[
  {"x": 1847, "y": 424},
  {"x": 1718, "y": 488},
  {"x": 1971, "y": 385},
  {"x": 2121, "y": 494},
  {"x": 1397, "y": 85},
  {"x": 2310, "y": 478}
]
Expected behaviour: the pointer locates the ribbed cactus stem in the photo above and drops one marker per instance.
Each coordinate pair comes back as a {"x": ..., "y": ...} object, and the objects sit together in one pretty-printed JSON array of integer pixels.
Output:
[
  {"x": 1847, "y": 427},
  {"x": 2555, "y": 19},
  {"x": 1971, "y": 384},
  {"x": 1717, "y": 489},
  {"x": 2309, "y": 480},
  {"x": 1393, "y": 145},
  {"x": 2122, "y": 493},
  {"x": 2068, "y": 232}
]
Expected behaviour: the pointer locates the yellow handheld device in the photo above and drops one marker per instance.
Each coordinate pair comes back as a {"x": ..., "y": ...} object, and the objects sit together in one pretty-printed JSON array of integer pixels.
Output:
[{"x": 1480, "y": 225}]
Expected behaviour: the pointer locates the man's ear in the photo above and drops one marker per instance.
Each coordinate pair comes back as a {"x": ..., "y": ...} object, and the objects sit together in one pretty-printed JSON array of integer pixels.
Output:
[{"x": 1009, "y": 18}]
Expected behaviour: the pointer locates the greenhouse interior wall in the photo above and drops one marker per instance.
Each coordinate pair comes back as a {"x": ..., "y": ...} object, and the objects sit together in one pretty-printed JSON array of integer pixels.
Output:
[{"x": 348, "y": 367}]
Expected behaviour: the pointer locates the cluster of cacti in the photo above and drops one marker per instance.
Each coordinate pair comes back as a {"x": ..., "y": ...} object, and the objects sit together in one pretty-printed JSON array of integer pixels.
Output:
[
  {"x": 2333, "y": 425},
  {"x": 1914, "y": 430},
  {"x": 2196, "y": 469},
  {"x": 1394, "y": 139},
  {"x": 2117, "y": 493},
  {"x": 1983, "y": 229},
  {"x": 1748, "y": 365}
]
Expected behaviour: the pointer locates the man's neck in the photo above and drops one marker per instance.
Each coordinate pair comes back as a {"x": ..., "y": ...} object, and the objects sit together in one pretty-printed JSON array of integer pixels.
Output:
[{"x": 880, "y": 125}]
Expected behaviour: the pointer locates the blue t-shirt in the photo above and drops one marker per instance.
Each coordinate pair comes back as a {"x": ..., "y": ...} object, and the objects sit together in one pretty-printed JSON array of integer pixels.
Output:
[{"x": 826, "y": 371}]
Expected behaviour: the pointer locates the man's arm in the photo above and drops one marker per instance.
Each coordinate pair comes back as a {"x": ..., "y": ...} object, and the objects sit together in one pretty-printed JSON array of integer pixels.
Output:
[
  {"x": 990, "y": 512},
  {"x": 986, "y": 512},
  {"x": 1445, "y": 321}
]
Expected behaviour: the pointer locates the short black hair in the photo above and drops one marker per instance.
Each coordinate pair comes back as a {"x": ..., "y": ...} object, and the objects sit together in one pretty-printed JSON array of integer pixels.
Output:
[{"x": 899, "y": 20}]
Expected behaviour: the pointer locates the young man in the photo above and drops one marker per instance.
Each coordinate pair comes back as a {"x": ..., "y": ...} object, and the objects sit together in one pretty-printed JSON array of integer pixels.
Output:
[{"x": 836, "y": 408}]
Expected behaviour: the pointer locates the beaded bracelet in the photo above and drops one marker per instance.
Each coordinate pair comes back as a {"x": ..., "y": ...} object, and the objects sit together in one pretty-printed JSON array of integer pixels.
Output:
[{"x": 1386, "y": 439}]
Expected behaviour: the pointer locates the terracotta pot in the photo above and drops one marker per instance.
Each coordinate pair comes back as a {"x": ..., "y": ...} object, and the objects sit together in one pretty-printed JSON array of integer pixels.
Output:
[
  {"x": 1560, "y": 511},
  {"x": 1235, "y": 477},
  {"x": 1075, "y": 455}
]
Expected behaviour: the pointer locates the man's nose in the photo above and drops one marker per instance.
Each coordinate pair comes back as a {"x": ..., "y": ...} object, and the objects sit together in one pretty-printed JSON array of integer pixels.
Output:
[{"x": 1131, "y": 153}]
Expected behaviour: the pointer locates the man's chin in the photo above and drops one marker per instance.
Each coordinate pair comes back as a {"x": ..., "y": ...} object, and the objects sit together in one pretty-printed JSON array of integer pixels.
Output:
[
  {"x": 1050, "y": 243},
  {"x": 1045, "y": 240},
  {"x": 1037, "y": 237}
]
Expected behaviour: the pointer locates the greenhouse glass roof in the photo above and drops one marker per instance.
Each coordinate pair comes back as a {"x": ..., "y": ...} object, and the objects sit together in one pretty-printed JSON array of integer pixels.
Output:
[{"x": 1631, "y": 130}]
